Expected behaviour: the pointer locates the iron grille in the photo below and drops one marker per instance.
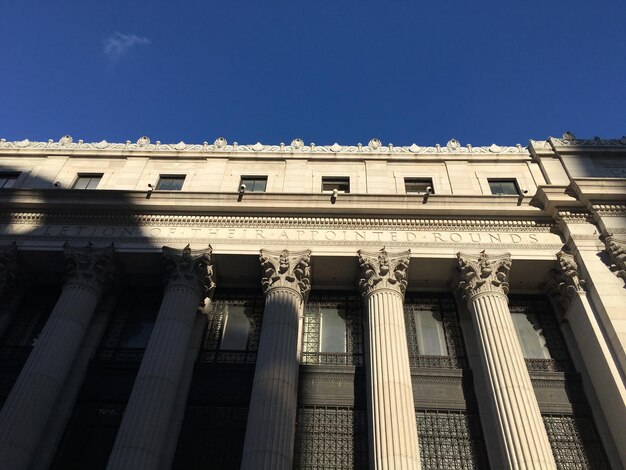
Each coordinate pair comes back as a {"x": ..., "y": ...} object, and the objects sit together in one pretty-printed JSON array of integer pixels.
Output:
[
  {"x": 211, "y": 438},
  {"x": 575, "y": 444},
  {"x": 450, "y": 440},
  {"x": 539, "y": 306},
  {"x": 329, "y": 437},
  {"x": 349, "y": 308},
  {"x": 454, "y": 342},
  {"x": 253, "y": 308}
]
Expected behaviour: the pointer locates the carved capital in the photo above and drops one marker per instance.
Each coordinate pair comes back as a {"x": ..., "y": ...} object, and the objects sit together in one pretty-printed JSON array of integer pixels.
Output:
[
  {"x": 616, "y": 248},
  {"x": 9, "y": 267},
  {"x": 286, "y": 269},
  {"x": 192, "y": 268},
  {"x": 567, "y": 282},
  {"x": 90, "y": 266},
  {"x": 483, "y": 273},
  {"x": 383, "y": 271}
]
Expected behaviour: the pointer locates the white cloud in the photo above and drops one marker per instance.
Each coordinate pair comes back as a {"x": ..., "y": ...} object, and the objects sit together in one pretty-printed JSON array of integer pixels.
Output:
[{"x": 118, "y": 44}]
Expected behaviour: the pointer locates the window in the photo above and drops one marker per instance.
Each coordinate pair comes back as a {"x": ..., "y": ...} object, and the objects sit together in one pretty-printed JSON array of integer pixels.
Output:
[
  {"x": 255, "y": 184},
  {"x": 431, "y": 340},
  {"x": 236, "y": 328},
  {"x": 503, "y": 187},
  {"x": 332, "y": 330},
  {"x": 8, "y": 180},
  {"x": 170, "y": 183},
  {"x": 530, "y": 334},
  {"x": 418, "y": 186},
  {"x": 84, "y": 181},
  {"x": 340, "y": 183}
]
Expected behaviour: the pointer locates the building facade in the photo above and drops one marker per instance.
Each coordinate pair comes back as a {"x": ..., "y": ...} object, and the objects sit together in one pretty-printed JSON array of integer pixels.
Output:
[{"x": 313, "y": 307}]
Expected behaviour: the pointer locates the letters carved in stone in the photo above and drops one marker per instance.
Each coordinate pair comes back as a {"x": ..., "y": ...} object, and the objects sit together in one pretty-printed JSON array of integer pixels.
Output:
[
  {"x": 190, "y": 267},
  {"x": 617, "y": 250},
  {"x": 286, "y": 269},
  {"x": 483, "y": 273},
  {"x": 89, "y": 265},
  {"x": 383, "y": 271},
  {"x": 567, "y": 281}
]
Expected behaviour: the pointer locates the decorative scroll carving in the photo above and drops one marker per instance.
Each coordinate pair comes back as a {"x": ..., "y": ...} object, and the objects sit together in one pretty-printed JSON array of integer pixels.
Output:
[
  {"x": 286, "y": 269},
  {"x": 383, "y": 271},
  {"x": 570, "y": 140},
  {"x": 567, "y": 281},
  {"x": 89, "y": 265},
  {"x": 8, "y": 267},
  {"x": 617, "y": 250},
  {"x": 483, "y": 273},
  {"x": 190, "y": 267}
]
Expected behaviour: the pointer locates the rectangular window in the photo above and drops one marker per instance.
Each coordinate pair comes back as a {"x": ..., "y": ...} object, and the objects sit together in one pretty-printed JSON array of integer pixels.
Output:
[
  {"x": 170, "y": 183},
  {"x": 8, "y": 180},
  {"x": 503, "y": 187},
  {"x": 340, "y": 183},
  {"x": 236, "y": 328},
  {"x": 431, "y": 339},
  {"x": 87, "y": 181},
  {"x": 418, "y": 186},
  {"x": 255, "y": 184},
  {"x": 530, "y": 334},
  {"x": 333, "y": 334}
]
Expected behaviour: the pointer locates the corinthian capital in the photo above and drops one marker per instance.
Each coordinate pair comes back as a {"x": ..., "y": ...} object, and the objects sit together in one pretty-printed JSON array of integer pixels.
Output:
[
  {"x": 8, "y": 267},
  {"x": 617, "y": 250},
  {"x": 192, "y": 268},
  {"x": 285, "y": 269},
  {"x": 383, "y": 271},
  {"x": 566, "y": 279},
  {"x": 483, "y": 273},
  {"x": 90, "y": 266}
]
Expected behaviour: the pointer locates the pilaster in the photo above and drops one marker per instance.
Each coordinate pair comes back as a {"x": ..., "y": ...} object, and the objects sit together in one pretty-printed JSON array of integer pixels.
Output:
[
  {"x": 269, "y": 442},
  {"x": 392, "y": 429}
]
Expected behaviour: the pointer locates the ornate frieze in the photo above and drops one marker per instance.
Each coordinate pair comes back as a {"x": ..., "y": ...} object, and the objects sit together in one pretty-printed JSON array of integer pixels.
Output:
[
  {"x": 483, "y": 273},
  {"x": 567, "y": 282},
  {"x": 286, "y": 269},
  {"x": 616, "y": 248},
  {"x": 383, "y": 271},
  {"x": 90, "y": 265},
  {"x": 190, "y": 267},
  {"x": 8, "y": 266}
]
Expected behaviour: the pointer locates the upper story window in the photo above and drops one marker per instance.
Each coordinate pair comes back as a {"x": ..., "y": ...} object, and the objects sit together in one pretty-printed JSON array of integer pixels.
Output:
[
  {"x": 340, "y": 183},
  {"x": 87, "y": 181},
  {"x": 332, "y": 330},
  {"x": 418, "y": 186},
  {"x": 8, "y": 180},
  {"x": 170, "y": 182},
  {"x": 255, "y": 184},
  {"x": 503, "y": 187}
]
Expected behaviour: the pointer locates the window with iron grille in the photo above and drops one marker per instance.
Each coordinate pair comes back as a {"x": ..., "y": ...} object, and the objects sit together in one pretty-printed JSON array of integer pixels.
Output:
[
  {"x": 433, "y": 334},
  {"x": 330, "y": 437},
  {"x": 450, "y": 439},
  {"x": 233, "y": 329},
  {"x": 575, "y": 443},
  {"x": 211, "y": 437},
  {"x": 537, "y": 329},
  {"x": 332, "y": 330}
]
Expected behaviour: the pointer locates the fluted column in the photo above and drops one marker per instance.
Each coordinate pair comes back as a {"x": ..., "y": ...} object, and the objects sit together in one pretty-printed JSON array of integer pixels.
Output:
[
  {"x": 34, "y": 395},
  {"x": 141, "y": 438},
  {"x": 521, "y": 433},
  {"x": 392, "y": 429},
  {"x": 269, "y": 442}
]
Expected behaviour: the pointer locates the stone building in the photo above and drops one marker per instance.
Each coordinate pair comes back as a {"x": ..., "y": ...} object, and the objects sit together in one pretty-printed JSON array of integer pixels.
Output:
[{"x": 312, "y": 307}]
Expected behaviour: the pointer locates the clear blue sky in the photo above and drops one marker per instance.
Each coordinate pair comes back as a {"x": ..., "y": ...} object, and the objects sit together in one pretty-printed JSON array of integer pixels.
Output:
[{"x": 325, "y": 71}]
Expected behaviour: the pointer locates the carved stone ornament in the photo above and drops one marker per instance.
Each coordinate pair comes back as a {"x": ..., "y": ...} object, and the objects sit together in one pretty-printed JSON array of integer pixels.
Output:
[
  {"x": 8, "y": 267},
  {"x": 383, "y": 271},
  {"x": 190, "y": 267},
  {"x": 483, "y": 273},
  {"x": 143, "y": 141},
  {"x": 567, "y": 281},
  {"x": 617, "y": 250},
  {"x": 90, "y": 265},
  {"x": 286, "y": 269}
]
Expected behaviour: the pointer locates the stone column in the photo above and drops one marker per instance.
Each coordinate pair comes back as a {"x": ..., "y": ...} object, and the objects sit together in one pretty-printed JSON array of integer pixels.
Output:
[
  {"x": 34, "y": 395},
  {"x": 392, "y": 428},
  {"x": 522, "y": 436},
  {"x": 604, "y": 375},
  {"x": 269, "y": 442},
  {"x": 141, "y": 438}
]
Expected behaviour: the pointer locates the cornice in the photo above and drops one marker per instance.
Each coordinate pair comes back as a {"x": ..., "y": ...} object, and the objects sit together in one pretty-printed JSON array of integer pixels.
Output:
[
  {"x": 569, "y": 140},
  {"x": 220, "y": 146}
]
